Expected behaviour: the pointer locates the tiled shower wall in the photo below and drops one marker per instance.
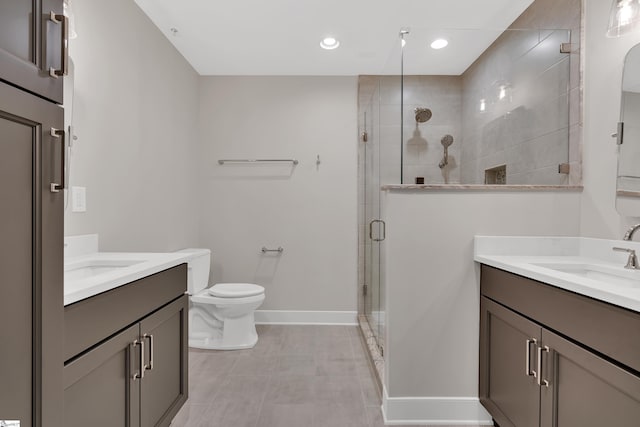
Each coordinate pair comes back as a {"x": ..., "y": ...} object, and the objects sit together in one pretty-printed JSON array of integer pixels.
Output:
[
  {"x": 519, "y": 105},
  {"x": 522, "y": 100},
  {"x": 423, "y": 150}
]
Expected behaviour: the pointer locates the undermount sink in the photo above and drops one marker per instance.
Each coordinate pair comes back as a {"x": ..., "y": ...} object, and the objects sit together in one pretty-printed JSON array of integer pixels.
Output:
[
  {"x": 610, "y": 275},
  {"x": 95, "y": 267}
]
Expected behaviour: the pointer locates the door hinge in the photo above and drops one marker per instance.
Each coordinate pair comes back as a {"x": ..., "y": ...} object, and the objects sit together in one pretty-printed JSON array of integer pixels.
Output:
[
  {"x": 365, "y": 289},
  {"x": 619, "y": 134},
  {"x": 565, "y": 47},
  {"x": 365, "y": 136},
  {"x": 564, "y": 168}
]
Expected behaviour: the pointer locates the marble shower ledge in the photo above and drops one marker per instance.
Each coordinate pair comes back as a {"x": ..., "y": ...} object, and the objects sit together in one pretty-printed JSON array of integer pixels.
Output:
[{"x": 479, "y": 187}]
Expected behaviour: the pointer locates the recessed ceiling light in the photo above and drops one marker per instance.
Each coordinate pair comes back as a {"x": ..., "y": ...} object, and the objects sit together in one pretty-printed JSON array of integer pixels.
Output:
[
  {"x": 439, "y": 44},
  {"x": 329, "y": 43}
]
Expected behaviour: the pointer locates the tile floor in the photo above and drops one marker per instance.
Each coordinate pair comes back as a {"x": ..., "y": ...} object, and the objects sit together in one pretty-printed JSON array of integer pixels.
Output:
[{"x": 307, "y": 376}]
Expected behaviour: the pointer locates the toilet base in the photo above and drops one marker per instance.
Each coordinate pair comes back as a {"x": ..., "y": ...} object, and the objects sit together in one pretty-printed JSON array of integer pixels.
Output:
[
  {"x": 206, "y": 331},
  {"x": 206, "y": 343}
]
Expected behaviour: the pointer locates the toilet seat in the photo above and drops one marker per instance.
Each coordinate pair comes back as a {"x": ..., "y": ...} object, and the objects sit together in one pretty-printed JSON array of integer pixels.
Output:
[
  {"x": 235, "y": 290},
  {"x": 204, "y": 297}
]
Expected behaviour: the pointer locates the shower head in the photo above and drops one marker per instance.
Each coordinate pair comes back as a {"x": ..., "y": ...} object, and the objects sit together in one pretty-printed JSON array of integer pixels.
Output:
[
  {"x": 446, "y": 141},
  {"x": 422, "y": 114}
]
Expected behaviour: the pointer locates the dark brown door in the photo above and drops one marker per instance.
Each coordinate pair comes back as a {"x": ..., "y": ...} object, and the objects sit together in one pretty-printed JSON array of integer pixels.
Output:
[
  {"x": 100, "y": 389},
  {"x": 508, "y": 386},
  {"x": 30, "y": 44},
  {"x": 31, "y": 226},
  {"x": 585, "y": 390},
  {"x": 164, "y": 387}
]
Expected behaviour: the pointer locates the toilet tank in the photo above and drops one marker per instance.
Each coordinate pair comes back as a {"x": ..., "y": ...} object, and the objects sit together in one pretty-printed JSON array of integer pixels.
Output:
[{"x": 199, "y": 262}]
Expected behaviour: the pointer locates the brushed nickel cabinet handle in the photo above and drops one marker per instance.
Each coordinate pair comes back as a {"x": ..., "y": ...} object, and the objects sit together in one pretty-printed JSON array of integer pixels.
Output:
[
  {"x": 142, "y": 367},
  {"x": 530, "y": 372},
  {"x": 60, "y": 134},
  {"x": 541, "y": 382},
  {"x": 64, "y": 51},
  {"x": 150, "y": 337}
]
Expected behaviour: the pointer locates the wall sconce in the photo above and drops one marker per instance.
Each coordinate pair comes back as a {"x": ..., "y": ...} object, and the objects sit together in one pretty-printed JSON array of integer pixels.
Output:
[{"x": 624, "y": 17}]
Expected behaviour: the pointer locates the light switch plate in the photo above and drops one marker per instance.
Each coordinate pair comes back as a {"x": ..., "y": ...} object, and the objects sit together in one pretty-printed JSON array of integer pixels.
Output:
[{"x": 78, "y": 199}]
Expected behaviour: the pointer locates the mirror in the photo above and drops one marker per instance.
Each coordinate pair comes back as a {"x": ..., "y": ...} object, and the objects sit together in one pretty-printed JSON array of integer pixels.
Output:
[{"x": 628, "y": 179}]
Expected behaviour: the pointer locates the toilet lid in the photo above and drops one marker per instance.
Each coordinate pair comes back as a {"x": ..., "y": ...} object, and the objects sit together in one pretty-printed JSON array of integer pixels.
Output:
[{"x": 235, "y": 290}]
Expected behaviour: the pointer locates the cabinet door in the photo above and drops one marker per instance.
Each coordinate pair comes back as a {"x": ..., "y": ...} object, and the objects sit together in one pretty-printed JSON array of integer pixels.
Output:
[
  {"x": 30, "y": 44},
  {"x": 164, "y": 387},
  {"x": 585, "y": 390},
  {"x": 508, "y": 387},
  {"x": 30, "y": 261},
  {"x": 100, "y": 386}
]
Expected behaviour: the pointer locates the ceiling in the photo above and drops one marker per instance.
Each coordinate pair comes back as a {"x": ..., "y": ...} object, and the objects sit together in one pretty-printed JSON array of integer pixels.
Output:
[{"x": 282, "y": 37}]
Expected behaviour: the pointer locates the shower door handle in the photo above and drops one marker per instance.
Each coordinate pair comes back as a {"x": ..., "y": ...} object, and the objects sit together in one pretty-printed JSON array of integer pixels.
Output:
[{"x": 384, "y": 230}]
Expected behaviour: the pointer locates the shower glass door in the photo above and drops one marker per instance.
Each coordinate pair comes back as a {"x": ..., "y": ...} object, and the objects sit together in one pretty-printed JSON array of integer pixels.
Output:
[
  {"x": 372, "y": 220},
  {"x": 381, "y": 151}
]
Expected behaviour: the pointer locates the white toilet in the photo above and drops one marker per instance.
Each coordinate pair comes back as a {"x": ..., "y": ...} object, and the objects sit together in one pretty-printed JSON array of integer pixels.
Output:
[{"x": 220, "y": 317}]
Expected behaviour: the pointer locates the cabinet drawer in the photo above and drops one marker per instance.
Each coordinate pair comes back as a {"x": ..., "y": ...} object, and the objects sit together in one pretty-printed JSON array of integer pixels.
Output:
[
  {"x": 610, "y": 330},
  {"x": 94, "y": 319}
]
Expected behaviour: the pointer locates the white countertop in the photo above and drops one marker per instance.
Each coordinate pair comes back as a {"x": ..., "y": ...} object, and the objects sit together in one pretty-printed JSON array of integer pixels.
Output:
[
  {"x": 526, "y": 256},
  {"x": 91, "y": 274}
]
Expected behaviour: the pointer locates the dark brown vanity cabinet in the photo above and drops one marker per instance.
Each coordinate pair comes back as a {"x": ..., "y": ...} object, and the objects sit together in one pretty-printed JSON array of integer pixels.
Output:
[
  {"x": 533, "y": 370},
  {"x": 33, "y": 44},
  {"x": 31, "y": 214},
  {"x": 31, "y": 286},
  {"x": 137, "y": 377}
]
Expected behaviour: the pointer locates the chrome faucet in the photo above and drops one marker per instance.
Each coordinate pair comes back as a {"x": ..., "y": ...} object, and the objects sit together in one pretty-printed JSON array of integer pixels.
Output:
[
  {"x": 632, "y": 262},
  {"x": 629, "y": 234}
]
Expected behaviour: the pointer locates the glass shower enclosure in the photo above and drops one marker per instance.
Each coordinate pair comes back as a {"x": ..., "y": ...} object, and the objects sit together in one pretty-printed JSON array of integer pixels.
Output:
[
  {"x": 380, "y": 110},
  {"x": 499, "y": 107}
]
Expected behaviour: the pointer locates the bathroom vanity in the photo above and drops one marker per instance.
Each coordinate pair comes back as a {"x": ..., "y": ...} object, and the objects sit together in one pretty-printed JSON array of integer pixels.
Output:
[
  {"x": 551, "y": 355},
  {"x": 125, "y": 346}
]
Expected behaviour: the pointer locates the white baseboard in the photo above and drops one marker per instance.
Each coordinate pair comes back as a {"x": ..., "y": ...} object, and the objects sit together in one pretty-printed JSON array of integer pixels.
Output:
[
  {"x": 434, "y": 410},
  {"x": 288, "y": 317}
]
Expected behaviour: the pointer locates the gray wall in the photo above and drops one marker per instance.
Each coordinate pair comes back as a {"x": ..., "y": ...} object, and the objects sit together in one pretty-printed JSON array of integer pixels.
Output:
[
  {"x": 309, "y": 209},
  {"x": 135, "y": 117},
  {"x": 150, "y": 131},
  {"x": 433, "y": 282}
]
